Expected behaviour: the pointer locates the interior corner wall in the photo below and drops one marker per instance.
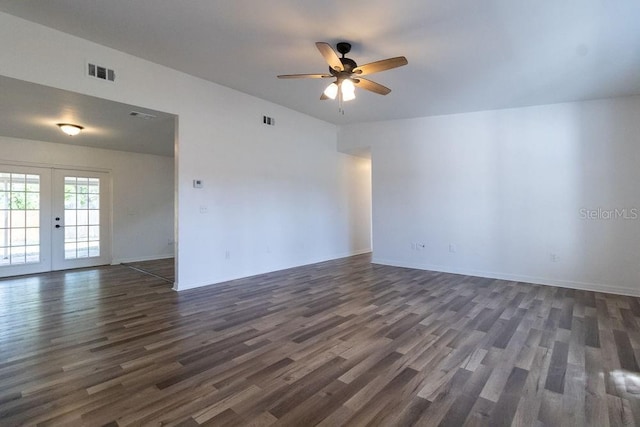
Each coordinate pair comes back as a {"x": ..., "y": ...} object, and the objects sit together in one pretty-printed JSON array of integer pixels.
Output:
[
  {"x": 142, "y": 191},
  {"x": 547, "y": 194},
  {"x": 273, "y": 197}
]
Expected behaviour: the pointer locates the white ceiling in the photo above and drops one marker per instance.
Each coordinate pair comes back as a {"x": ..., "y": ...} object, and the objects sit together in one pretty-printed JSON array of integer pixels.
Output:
[
  {"x": 464, "y": 55},
  {"x": 31, "y": 111}
]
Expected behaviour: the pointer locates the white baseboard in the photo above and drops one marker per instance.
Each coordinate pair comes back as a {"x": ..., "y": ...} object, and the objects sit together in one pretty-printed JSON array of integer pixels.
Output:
[
  {"x": 359, "y": 252},
  {"x": 217, "y": 280},
  {"x": 584, "y": 286},
  {"x": 140, "y": 259}
]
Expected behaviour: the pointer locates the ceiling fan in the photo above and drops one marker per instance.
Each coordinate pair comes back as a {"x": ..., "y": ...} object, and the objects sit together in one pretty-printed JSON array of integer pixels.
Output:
[{"x": 348, "y": 74}]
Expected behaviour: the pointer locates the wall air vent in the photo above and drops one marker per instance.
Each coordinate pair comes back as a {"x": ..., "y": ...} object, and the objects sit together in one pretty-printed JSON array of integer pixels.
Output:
[
  {"x": 268, "y": 120},
  {"x": 100, "y": 72},
  {"x": 144, "y": 116}
]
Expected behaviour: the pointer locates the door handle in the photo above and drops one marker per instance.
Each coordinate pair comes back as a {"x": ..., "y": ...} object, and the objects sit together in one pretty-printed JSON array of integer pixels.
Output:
[{"x": 58, "y": 226}]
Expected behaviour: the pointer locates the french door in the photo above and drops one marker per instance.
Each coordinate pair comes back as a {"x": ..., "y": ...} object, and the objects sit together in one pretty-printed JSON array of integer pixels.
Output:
[
  {"x": 53, "y": 219},
  {"x": 81, "y": 223}
]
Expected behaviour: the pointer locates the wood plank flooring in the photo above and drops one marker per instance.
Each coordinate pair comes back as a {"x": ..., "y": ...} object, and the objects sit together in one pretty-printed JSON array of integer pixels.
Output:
[
  {"x": 162, "y": 268},
  {"x": 342, "y": 342}
]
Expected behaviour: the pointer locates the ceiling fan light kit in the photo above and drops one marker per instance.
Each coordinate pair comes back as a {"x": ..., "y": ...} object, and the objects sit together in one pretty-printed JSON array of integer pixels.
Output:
[
  {"x": 348, "y": 74},
  {"x": 331, "y": 91}
]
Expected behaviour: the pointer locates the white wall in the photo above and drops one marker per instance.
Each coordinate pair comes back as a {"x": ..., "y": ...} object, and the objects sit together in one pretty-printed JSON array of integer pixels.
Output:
[
  {"x": 142, "y": 191},
  {"x": 359, "y": 203},
  {"x": 506, "y": 188},
  {"x": 275, "y": 197}
]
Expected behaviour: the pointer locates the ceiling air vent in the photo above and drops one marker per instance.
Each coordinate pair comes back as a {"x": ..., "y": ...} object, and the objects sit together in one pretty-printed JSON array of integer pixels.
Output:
[
  {"x": 100, "y": 72},
  {"x": 140, "y": 115}
]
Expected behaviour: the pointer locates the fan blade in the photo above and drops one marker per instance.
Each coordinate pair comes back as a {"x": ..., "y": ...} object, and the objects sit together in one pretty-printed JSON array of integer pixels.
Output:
[
  {"x": 385, "y": 64},
  {"x": 304, "y": 76},
  {"x": 330, "y": 55},
  {"x": 371, "y": 86}
]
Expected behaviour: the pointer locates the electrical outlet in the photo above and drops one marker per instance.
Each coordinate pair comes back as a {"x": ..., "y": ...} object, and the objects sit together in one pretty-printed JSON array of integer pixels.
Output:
[
  {"x": 553, "y": 257},
  {"x": 203, "y": 209},
  {"x": 452, "y": 248}
]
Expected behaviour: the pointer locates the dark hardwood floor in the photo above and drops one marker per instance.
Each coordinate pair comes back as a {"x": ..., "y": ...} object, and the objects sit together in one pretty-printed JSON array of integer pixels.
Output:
[{"x": 337, "y": 343}]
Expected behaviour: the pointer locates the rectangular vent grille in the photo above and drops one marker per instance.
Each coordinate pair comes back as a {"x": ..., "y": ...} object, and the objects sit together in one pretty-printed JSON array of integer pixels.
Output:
[
  {"x": 268, "y": 120},
  {"x": 100, "y": 72},
  {"x": 140, "y": 115}
]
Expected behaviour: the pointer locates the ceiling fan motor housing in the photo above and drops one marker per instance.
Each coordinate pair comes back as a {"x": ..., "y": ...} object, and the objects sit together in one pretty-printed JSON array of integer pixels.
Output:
[{"x": 348, "y": 66}]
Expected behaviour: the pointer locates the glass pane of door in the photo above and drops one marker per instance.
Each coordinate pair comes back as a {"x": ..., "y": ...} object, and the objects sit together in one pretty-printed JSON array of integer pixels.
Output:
[
  {"x": 24, "y": 237},
  {"x": 81, "y": 217},
  {"x": 19, "y": 218}
]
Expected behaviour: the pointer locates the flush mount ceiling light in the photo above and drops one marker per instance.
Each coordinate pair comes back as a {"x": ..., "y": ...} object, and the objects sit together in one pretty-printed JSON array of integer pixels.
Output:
[
  {"x": 70, "y": 129},
  {"x": 348, "y": 74}
]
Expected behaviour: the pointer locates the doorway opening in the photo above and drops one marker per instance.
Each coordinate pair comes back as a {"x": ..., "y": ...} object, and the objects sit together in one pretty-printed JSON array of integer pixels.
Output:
[{"x": 105, "y": 196}]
